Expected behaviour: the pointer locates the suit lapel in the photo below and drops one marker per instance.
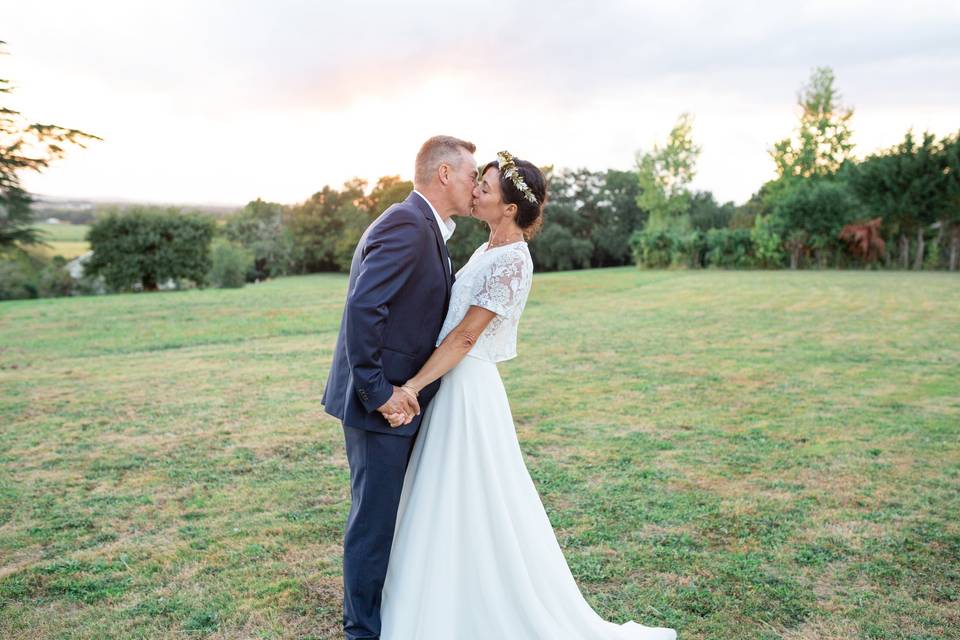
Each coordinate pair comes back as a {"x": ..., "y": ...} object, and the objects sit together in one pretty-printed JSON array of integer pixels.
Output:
[{"x": 447, "y": 266}]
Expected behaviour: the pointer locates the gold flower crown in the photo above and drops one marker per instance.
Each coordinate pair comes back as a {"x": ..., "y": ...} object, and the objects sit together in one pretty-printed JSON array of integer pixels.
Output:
[{"x": 508, "y": 167}]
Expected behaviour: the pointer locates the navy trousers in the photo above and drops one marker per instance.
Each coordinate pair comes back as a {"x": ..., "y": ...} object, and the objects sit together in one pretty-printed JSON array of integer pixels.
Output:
[{"x": 378, "y": 462}]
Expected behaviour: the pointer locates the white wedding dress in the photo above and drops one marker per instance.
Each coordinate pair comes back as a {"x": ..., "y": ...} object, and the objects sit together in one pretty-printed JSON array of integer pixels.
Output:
[{"x": 474, "y": 556}]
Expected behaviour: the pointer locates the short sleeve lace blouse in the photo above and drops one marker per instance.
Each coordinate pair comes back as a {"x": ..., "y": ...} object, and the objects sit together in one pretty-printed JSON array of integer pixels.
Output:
[{"x": 498, "y": 279}]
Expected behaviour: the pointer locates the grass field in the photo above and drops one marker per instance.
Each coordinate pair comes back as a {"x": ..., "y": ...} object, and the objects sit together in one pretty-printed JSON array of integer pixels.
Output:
[
  {"x": 733, "y": 454},
  {"x": 67, "y": 240}
]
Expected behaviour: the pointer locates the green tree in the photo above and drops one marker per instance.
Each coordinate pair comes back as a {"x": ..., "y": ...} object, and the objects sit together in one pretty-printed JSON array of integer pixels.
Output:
[
  {"x": 146, "y": 246},
  {"x": 389, "y": 190},
  {"x": 470, "y": 234},
  {"x": 706, "y": 213},
  {"x": 950, "y": 215},
  {"x": 745, "y": 215},
  {"x": 618, "y": 217},
  {"x": 356, "y": 216},
  {"x": 576, "y": 204},
  {"x": 259, "y": 227},
  {"x": 568, "y": 218},
  {"x": 557, "y": 249},
  {"x": 823, "y": 137},
  {"x": 318, "y": 225},
  {"x": 812, "y": 215},
  {"x": 598, "y": 208},
  {"x": 26, "y": 146},
  {"x": 909, "y": 186},
  {"x": 817, "y": 152},
  {"x": 665, "y": 174}
]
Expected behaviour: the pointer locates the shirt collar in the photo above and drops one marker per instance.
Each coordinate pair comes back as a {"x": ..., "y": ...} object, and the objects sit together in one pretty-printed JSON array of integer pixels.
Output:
[{"x": 446, "y": 227}]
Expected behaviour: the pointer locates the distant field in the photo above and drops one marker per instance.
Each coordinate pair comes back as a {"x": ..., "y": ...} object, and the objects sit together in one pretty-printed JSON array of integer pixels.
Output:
[
  {"x": 67, "y": 240},
  {"x": 64, "y": 232},
  {"x": 751, "y": 455}
]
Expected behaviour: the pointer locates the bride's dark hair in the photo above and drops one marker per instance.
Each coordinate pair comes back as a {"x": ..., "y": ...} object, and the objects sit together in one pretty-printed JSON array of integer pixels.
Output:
[{"x": 529, "y": 215}]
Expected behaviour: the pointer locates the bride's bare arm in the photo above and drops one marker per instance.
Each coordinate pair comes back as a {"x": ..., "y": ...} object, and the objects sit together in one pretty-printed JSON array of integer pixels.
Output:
[{"x": 454, "y": 347}]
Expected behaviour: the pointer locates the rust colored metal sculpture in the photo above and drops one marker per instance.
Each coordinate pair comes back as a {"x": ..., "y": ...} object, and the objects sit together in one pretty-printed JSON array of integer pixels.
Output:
[{"x": 863, "y": 239}]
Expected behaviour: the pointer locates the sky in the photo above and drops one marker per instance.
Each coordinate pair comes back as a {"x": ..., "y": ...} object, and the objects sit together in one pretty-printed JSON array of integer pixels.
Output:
[{"x": 222, "y": 102}]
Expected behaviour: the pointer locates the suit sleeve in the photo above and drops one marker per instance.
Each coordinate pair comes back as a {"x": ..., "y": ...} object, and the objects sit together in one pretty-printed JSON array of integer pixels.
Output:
[{"x": 391, "y": 254}]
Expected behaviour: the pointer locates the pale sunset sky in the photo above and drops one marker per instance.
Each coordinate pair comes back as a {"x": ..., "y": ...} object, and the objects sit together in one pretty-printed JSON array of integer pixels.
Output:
[{"x": 222, "y": 102}]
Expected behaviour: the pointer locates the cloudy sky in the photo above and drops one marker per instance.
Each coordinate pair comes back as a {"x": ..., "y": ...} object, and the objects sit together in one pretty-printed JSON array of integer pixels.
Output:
[{"x": 215, "y": 101}]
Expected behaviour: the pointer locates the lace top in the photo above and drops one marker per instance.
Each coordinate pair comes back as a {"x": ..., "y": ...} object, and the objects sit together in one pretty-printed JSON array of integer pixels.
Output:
[{"x": 498, "y": 280}]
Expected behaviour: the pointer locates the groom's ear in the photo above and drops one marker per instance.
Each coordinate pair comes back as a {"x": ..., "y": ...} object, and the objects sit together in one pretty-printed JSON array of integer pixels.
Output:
[{"x": 443, "y": 172}]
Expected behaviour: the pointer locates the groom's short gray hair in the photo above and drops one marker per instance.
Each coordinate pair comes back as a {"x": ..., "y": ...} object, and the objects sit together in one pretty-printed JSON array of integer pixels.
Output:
[{"x": 436, "y": 151}]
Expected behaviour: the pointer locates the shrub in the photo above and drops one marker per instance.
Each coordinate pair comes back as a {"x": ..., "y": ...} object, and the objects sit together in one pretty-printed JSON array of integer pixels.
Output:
[
  {"x": 652, "y": 248},
  {"x": 54, "y": 280},
  {"x": 18, "y": 279},
  {"x": 688, "y": 249},
  {"x": 729, "y": 248},
  {"x": 767, "y": 242},
  {"x": 230, "y": 264}
]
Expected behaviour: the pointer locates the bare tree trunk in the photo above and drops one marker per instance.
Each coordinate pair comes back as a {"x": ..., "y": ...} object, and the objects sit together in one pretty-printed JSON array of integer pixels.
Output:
[
  {"x": 955, "y": 247},
  {"x": 794, "y": 258},
  {"x": 938, "y": 243},
  {"x": 918, "y": 259},
  {"x": 904, "y": 251}
]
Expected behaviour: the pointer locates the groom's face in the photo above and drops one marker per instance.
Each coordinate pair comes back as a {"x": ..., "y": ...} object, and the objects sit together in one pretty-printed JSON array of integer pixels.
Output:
[{"x": 463, "y": 180}]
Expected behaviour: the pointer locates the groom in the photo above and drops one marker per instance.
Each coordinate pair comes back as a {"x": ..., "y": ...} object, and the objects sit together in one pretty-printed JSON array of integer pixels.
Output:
[{"x": 397, "y": 298}]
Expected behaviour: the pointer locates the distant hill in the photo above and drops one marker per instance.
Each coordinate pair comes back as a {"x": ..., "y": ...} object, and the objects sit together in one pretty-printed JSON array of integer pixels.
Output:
[{"x": 85, "y": 211}]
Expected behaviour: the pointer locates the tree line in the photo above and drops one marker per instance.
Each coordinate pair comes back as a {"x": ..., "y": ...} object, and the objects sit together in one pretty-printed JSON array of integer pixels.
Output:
[{"x": 896, "y": 208}]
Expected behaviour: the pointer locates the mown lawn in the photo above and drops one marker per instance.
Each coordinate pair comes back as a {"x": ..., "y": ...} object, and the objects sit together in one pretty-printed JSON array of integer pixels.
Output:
[
  {"x": 734, "y": 454},
  {"x": 67, "y": 240}
]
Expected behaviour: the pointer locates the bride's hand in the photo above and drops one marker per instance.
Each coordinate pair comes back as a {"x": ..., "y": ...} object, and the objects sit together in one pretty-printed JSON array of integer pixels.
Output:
[{"x": 397, "y": 419}]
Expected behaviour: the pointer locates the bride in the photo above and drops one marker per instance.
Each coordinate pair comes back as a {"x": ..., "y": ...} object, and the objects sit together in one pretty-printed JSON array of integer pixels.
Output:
[{"x": 474, "y": 556}]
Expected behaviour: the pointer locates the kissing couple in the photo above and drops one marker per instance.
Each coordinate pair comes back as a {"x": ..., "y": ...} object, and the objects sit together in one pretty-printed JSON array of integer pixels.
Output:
[{"x": 447, "y": 537}]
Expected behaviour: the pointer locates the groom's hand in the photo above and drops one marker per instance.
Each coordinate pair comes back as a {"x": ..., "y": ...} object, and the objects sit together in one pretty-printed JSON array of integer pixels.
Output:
[{"x": 400, "y": 402}]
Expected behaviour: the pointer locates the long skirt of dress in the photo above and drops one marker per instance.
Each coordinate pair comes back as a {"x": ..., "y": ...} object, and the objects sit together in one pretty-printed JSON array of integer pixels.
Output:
[{"x": 474, "y": 556}]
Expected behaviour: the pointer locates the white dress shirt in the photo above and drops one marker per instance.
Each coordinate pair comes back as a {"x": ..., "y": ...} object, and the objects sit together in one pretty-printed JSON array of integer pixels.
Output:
[{"x": 446, "y": 227}]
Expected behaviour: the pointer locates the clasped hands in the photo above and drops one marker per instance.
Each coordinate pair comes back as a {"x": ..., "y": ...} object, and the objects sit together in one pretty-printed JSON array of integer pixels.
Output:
[{"x": 402, "y": 406}]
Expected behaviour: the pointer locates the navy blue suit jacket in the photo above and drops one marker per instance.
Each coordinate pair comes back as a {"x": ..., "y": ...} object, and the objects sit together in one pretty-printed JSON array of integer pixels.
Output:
[{"x": 397, "y": 299}]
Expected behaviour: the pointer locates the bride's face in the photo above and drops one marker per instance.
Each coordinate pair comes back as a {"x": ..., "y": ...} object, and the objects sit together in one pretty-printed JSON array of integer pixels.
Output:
[{"x": 487, "y": 202}]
